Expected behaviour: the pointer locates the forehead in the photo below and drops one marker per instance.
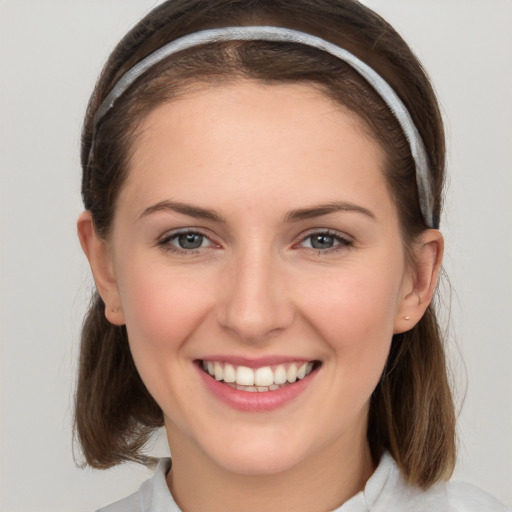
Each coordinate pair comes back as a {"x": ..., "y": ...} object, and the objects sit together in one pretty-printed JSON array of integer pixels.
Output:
[{"x": 252, "y": 141}]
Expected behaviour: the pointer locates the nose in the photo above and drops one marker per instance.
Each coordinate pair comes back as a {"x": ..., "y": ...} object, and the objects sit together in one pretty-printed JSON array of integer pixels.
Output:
[{"x": 255, "y": 303}]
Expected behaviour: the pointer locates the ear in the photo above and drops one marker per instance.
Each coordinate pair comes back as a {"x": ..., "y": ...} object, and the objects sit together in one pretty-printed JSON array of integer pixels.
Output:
[
  {"x": 99, "y": 255},
  {"x": 419, "y": 286}
]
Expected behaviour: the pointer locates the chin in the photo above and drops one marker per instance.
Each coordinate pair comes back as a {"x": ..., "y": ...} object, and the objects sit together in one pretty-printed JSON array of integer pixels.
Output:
[
  {"x": 258, "y": 463},
  {"x": 260, "y": 452}
]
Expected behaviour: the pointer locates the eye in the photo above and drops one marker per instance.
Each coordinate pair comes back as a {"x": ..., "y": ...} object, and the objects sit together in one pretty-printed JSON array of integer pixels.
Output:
[
  {"x": 325, "y": 241},
  {"x": 321, "y": 241},
  {"x": 185, "y": 241},
  {"x": 189, "y": 240}
]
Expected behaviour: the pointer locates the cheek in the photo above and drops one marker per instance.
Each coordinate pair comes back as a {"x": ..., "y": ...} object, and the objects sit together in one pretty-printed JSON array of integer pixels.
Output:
[
  {"x": 161, "y": 307},
  {"x": 355, "y": 308},
  {"x": 355, "y": 317},
  {"x": 162, "y": 314}
]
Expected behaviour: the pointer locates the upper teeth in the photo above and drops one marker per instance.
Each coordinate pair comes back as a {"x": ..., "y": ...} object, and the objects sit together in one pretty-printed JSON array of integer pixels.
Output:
[{"x": 264, "y": 376}]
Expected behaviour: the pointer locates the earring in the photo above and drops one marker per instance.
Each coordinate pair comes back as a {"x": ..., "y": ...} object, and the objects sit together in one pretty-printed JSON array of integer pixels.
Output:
[
  {"x": 407, "y": 317},
  {"x": 115, "y": 310}
]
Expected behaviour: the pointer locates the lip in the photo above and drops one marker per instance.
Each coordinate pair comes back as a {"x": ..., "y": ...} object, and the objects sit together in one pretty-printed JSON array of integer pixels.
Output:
[{"x": 257, "y": 401}]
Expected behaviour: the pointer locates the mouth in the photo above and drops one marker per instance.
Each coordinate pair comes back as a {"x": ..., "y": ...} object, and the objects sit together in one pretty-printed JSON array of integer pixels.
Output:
[{"x": 262, "y": 379}]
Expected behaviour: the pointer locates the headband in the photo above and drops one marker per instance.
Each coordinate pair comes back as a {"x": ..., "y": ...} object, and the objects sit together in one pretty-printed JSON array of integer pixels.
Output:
[{"x": 279, "y": 34}]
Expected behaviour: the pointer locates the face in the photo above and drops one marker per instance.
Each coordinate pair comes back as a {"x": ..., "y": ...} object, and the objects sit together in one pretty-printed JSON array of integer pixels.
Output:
[{"x": 254, "y": 240}]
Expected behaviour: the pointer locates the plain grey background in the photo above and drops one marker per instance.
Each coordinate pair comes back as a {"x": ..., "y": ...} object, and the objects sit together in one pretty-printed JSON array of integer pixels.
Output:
[{"x": 50, "y": 54}]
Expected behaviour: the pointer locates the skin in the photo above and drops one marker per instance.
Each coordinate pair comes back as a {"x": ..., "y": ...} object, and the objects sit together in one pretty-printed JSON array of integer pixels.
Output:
[{"x": 252, "y": 154}]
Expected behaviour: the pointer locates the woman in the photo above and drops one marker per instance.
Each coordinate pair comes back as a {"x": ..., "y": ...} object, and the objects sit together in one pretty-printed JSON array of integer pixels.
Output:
[{"x": 262, "y": 184}]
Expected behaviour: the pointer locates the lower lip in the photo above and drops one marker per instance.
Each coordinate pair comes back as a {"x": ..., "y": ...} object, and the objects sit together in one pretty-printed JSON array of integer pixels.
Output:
[{"x": 257, "y": 401}]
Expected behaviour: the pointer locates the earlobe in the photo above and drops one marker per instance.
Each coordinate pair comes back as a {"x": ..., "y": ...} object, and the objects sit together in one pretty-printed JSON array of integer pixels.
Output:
[
  {"x": 428, "y": 257},
  {"x": 98, "y": 253}
]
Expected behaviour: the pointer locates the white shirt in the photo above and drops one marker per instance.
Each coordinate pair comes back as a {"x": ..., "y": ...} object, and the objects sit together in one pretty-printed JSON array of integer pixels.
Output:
[{"x": 385, "y": 491}]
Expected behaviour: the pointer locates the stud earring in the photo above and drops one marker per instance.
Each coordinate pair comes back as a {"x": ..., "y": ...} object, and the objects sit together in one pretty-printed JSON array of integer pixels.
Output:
[
  {"x": 115, "y": 310},
  {"x": 407, "y": 318}
]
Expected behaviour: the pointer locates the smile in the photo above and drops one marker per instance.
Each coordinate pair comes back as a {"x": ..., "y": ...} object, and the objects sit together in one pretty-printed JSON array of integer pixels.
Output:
[{"x": 262, "y": 379}]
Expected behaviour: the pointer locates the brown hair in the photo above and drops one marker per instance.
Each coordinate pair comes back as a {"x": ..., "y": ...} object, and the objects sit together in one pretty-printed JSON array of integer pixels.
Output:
[{"x": 411, "y": 410}]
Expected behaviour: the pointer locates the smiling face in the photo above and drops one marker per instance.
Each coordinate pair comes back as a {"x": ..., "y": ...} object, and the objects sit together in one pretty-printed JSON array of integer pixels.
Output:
[{"x": 255, "y": 238}]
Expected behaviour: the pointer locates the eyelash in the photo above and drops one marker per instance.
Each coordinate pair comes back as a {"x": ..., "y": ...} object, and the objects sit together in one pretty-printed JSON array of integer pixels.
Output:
[
  {"x": 166, "y": 242},
  {"x": 341, "y": 242}
]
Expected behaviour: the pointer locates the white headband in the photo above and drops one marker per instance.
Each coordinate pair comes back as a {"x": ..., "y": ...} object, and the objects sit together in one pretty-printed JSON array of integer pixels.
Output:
[{"x": 285, "y": 35}]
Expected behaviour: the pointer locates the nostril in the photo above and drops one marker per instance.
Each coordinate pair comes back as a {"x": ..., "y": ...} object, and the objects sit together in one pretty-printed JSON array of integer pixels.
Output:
[
  {"x": 257, "y": 325},
  {"x": 254, "y": 304}
]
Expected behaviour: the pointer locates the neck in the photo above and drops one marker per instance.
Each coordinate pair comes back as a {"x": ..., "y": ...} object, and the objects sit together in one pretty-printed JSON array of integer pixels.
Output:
[{"x": 323, "y": 482}]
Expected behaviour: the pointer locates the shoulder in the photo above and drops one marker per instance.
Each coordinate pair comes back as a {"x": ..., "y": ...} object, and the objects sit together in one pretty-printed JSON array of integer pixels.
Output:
[
  {"x": 468, "y": 498},
  {"x": 447, "y": 497},
  {"x": 387, "y": 490},
  {"x": 128, "y": 504},
  {"x": 153, "y": 495}
]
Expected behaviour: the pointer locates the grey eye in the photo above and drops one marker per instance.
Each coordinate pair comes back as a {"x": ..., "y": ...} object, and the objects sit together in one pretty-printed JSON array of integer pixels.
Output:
[
  {"x": 322, "y": 241},
  {"x": 190, "y": 240}
]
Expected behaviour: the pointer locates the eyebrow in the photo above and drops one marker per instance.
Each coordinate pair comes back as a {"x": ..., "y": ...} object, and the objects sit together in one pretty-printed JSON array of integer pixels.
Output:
[
  {"x": 185, "y": 209},
  {"x": 292, "y": 216},
  {"x": 325, "y": 209}
]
